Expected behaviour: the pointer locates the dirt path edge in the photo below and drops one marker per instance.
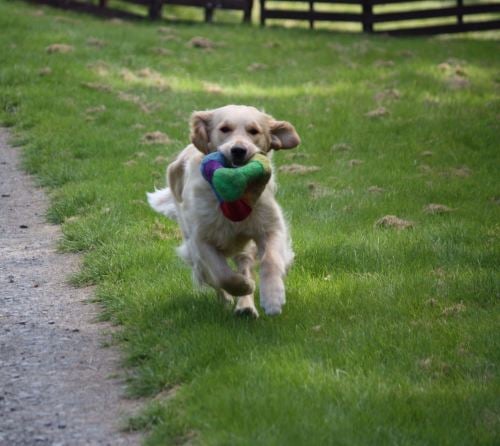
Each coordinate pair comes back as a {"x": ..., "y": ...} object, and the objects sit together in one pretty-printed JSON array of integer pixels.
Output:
[{"x": 58, "y": 385}]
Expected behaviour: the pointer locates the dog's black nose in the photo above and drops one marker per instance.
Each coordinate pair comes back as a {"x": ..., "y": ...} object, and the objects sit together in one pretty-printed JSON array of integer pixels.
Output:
[{"x": 238, "y": 154}]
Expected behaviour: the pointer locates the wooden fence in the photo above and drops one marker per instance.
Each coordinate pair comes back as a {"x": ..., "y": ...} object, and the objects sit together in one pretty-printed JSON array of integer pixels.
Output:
[
  {"x": 397, "y": 17},
  {"x": 209, "y": 6},
  {"x": 455, "y": 16},
  {"x": 154, "y": 7}
]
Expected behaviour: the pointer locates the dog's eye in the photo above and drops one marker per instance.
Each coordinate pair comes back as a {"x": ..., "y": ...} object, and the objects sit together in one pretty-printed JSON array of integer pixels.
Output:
[
  {"x": 225, "y": 129},
  {"x": 253, "y": 131}
]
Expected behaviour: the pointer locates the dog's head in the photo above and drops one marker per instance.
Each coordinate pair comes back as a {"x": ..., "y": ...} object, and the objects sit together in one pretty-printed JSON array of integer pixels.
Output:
[{"x": 239, "y": 132}]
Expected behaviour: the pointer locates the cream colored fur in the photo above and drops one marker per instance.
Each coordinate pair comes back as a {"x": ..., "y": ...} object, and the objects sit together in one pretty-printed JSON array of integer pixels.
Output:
[{"x": 209, "y": 238}]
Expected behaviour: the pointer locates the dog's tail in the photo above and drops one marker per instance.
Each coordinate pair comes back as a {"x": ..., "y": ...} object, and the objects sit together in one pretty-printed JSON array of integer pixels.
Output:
[{"x": 162, "y": 201}]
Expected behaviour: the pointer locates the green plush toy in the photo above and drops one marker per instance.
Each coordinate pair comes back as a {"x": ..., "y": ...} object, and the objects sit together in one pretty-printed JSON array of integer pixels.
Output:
[{"x": 236, "y": 188}]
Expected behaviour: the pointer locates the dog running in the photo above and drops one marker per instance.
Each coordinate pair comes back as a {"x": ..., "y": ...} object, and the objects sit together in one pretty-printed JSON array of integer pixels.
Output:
[{"x": 210, "y": 239}]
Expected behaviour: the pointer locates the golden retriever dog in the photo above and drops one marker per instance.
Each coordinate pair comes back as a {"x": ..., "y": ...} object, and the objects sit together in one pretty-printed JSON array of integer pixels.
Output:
[{"x": 209, "y": 238}]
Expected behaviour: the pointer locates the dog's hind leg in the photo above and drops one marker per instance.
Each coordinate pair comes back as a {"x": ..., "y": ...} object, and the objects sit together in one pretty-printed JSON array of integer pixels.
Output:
[
  {"x": 225, "y": 298},
  {"x": 245, "y": 262}
]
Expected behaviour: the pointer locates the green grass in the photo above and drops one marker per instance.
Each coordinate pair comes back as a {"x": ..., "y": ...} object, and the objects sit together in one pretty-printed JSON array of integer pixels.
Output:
[{"x": 388, "y": 337}]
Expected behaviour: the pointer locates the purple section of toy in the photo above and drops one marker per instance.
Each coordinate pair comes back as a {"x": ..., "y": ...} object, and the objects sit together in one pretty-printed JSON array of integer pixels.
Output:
[
  {"x": 210, "y": 168},
  {"x": 211, "y": 163}
]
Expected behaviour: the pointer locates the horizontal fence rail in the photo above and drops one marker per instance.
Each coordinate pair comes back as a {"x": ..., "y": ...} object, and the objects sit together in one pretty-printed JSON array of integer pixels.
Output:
[{"x": 454, "y": 15}]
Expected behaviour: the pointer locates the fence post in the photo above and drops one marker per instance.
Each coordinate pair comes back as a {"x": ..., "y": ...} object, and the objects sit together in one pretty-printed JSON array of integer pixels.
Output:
[
  {"x": 209, "y": 12},
  {"x": 311, "y": 12},
  {"x": 155, "y": 9},
  {"x": 460, "y": 16},
  {"x": 367, "y": 16},
  {"x": 247, "y": 14}
]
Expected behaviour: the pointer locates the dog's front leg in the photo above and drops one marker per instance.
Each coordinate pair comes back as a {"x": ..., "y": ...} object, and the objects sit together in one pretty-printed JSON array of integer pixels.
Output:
[
  {"x": 220, "y": 275},
  {"x": 245, "y": 262},
  {"x": 276, "y": 254}
]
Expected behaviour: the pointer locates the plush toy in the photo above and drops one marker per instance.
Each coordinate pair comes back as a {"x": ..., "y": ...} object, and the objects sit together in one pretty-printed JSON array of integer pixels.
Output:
[{"x": 236, "y": 188}]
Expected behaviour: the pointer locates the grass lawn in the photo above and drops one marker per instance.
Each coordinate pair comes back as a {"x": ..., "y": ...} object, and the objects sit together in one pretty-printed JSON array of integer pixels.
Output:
[{"x": 389, "y": 336}]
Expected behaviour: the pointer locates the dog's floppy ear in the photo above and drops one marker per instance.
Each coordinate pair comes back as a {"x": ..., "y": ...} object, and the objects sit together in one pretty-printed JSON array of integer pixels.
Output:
[
  {"x": 200, "y": 130},
  {"x": 283, "y": 135}
]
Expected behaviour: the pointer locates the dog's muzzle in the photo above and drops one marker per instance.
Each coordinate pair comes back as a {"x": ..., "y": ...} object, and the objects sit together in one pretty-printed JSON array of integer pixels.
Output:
[{"x": 238, "y": 155}]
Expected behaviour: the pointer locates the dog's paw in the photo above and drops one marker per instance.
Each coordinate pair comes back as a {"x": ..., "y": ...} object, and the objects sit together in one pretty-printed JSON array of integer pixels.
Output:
[
  {"x": 272, "y": 296},
  {"x": 272, "y": 310},
  {"x": 246, "y": 307},
  {"x": 238, "y": 285},
  {"x": 247, "y": 312}
]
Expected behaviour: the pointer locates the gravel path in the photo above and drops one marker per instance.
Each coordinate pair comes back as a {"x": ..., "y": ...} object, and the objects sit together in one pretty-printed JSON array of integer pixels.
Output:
[{"x": 58, "y": 386}]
